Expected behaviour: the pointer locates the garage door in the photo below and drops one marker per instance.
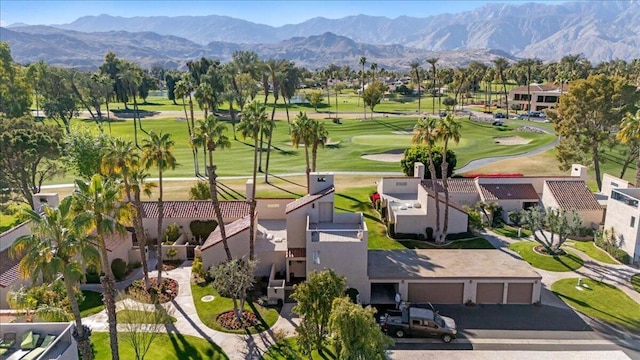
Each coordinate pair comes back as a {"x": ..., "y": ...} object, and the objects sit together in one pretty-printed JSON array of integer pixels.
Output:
[
  {"x": 436, "y": 293},
  {"x": 489, "y": 293},
  {"x": 519, "y": 293}
]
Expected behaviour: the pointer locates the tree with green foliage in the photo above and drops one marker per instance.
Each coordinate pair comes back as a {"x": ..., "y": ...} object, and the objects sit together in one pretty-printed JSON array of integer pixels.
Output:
[
  {"x": 15, "y": 91},
  {"x": 301, "y": 133},
  {"x": 234, "y": 279},
  {"x": 319, "y": 137},
  {"x": 157, "y": 152},
  {"x": 363, "y": 62},
  {"x": 449, "y": 103},
  {"x": 210, "y": 134},
  {"x": 421, "y": 154},
  {"x": 374, "y": 93},
  {"x": 200, "y": 191},
  {"x": 171, "y": 78},
  {"x": 586, "y": 116},
  {"x": 415, "y": 75},
  {"x": 59, "y": 244},
  {"x": 111, "y": 68},
  {"x": 501, "y": 65},
  {"x": 356, "y": 334},
  {"x": 83, "y": 151},
  {"x": 28, "y": 156},
  {"x": 315, "y": 98},
  {"x": 59, "y": 101},
  {"x": 315, "y": 297},
  {"x": 448, "y": 129},
  {"x": 551, "y": 227},
  {"x": 102, "y": 202},
  {"x": 424, "y": 133},
  {"x": 629, "y": 134}
]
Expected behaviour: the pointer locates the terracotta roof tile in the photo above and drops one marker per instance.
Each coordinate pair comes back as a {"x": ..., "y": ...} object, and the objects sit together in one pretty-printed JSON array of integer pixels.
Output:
[
  {"x": 308, "y": 199},
  {"x": 573, "y": 195},
  {"x": 456, "y": 185},
  {"x": 296, "y": 252},
  {"x": 196, "y": 209},
  {"x": 8, "y": 269},
  {"x": 493, "y": 192},
  {"x": 112, "y": 241},
  {"x": 231, "y": 230}
]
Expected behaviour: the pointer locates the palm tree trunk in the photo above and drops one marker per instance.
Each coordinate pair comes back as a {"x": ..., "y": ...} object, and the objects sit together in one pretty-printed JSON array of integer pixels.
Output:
[
  {"x": 233, "y": 119},
  {"x": 260, "y": 150},
  {"x": 286, "y": 107},
  {"x": 506, "y": 95},
  {"x": 80, "y": 335},
  {"x": 252, "y": 204},
  {"x": 109, "y": 297},
  {"x": 445, "y": 186},
  {"x": 307, "y": 170},
  {"x": 638, "y": 172},
  {"x": 434, "y": 179},
  {"x": 213, "y": 188},
  {"x": 314, "y": 155},
  {"x": 160, "y": 235},
  {"x": 266, "y": 168},
  {"x": 137, "y": 227}
]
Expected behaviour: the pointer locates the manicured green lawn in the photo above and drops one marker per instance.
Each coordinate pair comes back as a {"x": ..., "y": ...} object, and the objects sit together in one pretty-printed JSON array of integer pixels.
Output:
[
  {"x": 510, "y": 231},
  {"x": 601, "y": 301},
  {"x": 635, "y": 282},
  {"x": 124, "y": 316},
  {"x": 475, "y": 243},
  {"x": 589, "y": 248},
  {"x": 92, "y": 303},
  {"x": 355, "y": 138},
  {"x": 567, "y": 262},
  {"x": 165, "y": 347},
  {"x": 208, "y": 311},
  {"x": 288, "y": 350}
]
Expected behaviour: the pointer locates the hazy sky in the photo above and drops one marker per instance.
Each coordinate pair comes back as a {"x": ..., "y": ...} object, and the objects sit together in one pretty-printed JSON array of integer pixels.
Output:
[{"x": 274, "y": 13}]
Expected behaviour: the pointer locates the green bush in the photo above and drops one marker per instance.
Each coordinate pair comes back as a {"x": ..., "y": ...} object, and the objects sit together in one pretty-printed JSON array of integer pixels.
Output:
[
  {"x": 429, "y": 231},
  {"x": 352, "y": 293},
  {"x": 202, "y": 228},
  {"x": 460, "y": 236},
  {"x": 119, "y": 268},
  {"x": 172, "y": 233},
  {"x": 200, "y": 191},
  {"x": 197, "y": 268},
  {"x": 612, "y": 249},
  {"x": 475, "y": 219},
  {"x": 92, "y": 276}
]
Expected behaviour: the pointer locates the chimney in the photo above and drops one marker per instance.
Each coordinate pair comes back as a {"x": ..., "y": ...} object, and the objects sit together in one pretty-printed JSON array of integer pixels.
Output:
[
  {"x": 249, "y": 189},
  {"x": 418, "y": 170},
  {"x": 579, "y": 171}
]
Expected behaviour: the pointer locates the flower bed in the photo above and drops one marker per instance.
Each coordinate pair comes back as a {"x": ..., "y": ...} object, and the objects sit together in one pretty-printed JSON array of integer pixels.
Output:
[
  {"x": 229, "y": 321},
  {"x": 165, "y": 293},
  {"x": 543, "y": 251}
]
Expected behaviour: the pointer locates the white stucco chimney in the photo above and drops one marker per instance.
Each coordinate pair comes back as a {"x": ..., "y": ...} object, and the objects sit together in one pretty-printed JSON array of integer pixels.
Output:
[
  {"x": 41, "y": 199},
  {"x": 248, "y": 187},
  {"x": 579, "y": 171},
  {"x": 418, "y": 170},
  {"x": 319, "y": 182}
]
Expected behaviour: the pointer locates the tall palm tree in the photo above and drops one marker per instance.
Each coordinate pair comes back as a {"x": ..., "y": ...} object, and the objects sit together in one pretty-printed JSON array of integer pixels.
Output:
[
  {"x": 157, "y": 151},
  {"x": 433, "y": 62},
  {"x": 210, "y": 135},
  {"x": 120, "y": 159},
  {"x": 374, "y": 69},
  {"x": 447, "y": 130},
  {"x": 253, "y": 125},
  {"x": 204, "y": 97},
  {"x": 630, "y": 131},
  {"x": 58, "y": 244},
  {"x": 101, "y": 200},
  {"x": 131, "y": 75},
  {"x": 489, "y": 76},
  {"x": 318, "y": 136},
  {"x": 528, "y": 65},
  {"x": 301, "y": 133},
  {"x": 424, "y": 133},
  {"x": 363, "y": 61},
  {"x": 415, "y": 69},
  {"x": 277, "y": 69},
  {"x": 501, "y": 64}
]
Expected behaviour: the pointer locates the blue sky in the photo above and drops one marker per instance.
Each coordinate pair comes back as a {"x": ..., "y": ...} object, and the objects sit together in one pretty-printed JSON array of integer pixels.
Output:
[{"x": 274, "y": 13}]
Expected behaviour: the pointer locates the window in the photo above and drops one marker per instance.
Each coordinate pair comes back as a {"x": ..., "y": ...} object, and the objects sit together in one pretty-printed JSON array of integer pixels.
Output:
[
  {"x": 401, "y": 183},
  {"x": 271, "y": 206},
  {"x": 633, "y": 221},
  {"x": 322, "y": 179},
  {"x": 614, "y": 184},
  {"x": 316, "y": 257}
]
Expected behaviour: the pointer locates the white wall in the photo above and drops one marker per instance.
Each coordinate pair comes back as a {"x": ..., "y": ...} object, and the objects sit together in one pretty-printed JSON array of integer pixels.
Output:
[
  {"x": 8, "y": 237},
  {"x": 122, "y": 250},
  {"x": 619, "y": 217},
  {"x": 214, "y": 255},
  {"x": 272, "y": 209}
]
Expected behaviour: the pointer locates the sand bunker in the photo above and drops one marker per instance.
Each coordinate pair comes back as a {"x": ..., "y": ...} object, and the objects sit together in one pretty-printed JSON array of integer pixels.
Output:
[
  {"x": 403, "y": 132},
  {"x": 389, "y": 156},
  {"x": 511, "y": 140}
]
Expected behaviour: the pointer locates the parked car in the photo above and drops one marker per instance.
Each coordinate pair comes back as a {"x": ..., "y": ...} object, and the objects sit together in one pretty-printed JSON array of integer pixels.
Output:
[
  {"x": 419, "y": 322},
  {"x": 497, "y": 123},
  {"x": 499, "y": 116}
]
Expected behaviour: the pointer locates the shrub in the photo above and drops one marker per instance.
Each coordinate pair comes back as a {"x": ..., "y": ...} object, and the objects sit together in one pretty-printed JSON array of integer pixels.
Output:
[
  {"x": 171, "y": 253},
  {"x": 516, "y": 217},
  {"x": 421, "y": 237},
  {"x": 475, "y": 219},
  {"x": 172, "y": 233},
  {"x": 607, "y": 241},
  {"x": 119, "y": 268},
  {"x": 92, "y": 276},
  {"x": 352, "y": 293},
  {"x": 429, "y": 232},
  {"x": 200, "y": 191},
  {"x": 201, "y": 229},
  {"x": 197, "y": 267},
  {"x": 460, "y": 236}
]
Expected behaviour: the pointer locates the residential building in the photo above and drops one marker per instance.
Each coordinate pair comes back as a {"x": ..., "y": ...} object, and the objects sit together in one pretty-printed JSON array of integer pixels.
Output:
[
  {"x": 543, "y": 96},
  {"x": 62, "y": 344},
  {"x": 623, "y": 214}
]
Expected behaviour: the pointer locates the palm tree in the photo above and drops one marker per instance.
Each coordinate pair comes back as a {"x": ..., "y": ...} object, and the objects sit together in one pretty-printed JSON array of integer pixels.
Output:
[
  {"x": 157, "y": 151},
  {"x": 415, "y": 68},
  {"x": 253, "y": 125},
  {"x": 433, "y": 62},
  {"x": 131, "y": 75},
  {"x": 318, "y": 136},
  {"x": 277, "y": 69},
  {"x": 204, "y": 97},
  {"x": 528, "y": 65},
  {"x": 121, "y": 158},
  {"x": 101, "y": 201},
  {"x": 210, "y": 135},
  {"x": 424, "y": 132},
  {"x": 363, "y": 61},
  {"x": 447, "y": 129},
  {"x": 374, "y": 69},
  {"x": 501, "y": 65},
  {"x": 629, "y": 132},
  {"x": 489, "y": 76},
  {"x": 58, "y": 245},
  {"x": 300, "y": 133}
]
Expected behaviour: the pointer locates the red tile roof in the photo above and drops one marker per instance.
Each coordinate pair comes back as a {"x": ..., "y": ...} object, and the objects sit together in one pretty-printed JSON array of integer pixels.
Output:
[
  {"x": 231, "y": 230},
  {"x": 573, "y": 195},
  {"x": 196, "y": 209},
  {"x": 296, "y": 252},
  {"x": 492, "y": 192},
  {"x": 112, "y": 241},
  {"x": 308, "y": 199},
  {"x": 8, "y": 269},
  {"x": 456, "y": 185}
]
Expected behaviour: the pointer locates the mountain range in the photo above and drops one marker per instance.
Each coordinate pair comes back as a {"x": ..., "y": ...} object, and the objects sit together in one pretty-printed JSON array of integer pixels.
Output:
[{"x": 601, "y": 30}]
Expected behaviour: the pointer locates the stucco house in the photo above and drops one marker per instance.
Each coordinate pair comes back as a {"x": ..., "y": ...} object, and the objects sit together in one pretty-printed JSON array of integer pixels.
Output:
[{"x": 623, "y": 213}]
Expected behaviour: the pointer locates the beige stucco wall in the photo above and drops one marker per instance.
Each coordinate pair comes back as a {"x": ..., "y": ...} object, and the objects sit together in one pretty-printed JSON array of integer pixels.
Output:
[
  {"x": 400, "y": 185},
  {"x": 214, "y": 255},
  {"x": 272, "y": 209},
  {"x": 297, "y": 225},
  {"x": 619, "y": 217},
  {"x": 268, "y": 259},
  {"x": 122, "y": 250},
  {"x": 610, "y": 182},
  {"x": 591, "y": 218},
  {"x": 8, "y": 237},
  {"x": 547, "y": 198}
]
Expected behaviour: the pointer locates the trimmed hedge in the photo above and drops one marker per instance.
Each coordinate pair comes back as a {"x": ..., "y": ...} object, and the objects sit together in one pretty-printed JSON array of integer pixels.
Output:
[{"x": 119, "y": 269}]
